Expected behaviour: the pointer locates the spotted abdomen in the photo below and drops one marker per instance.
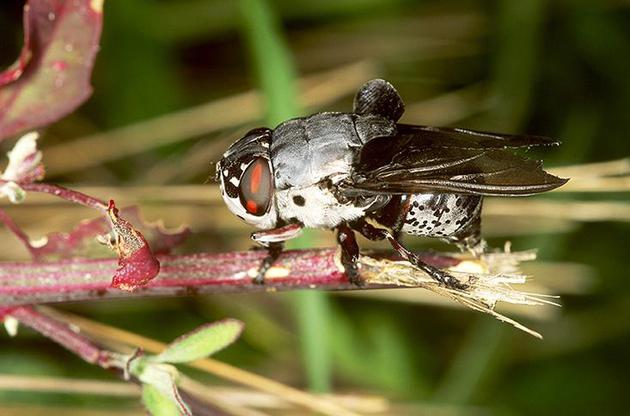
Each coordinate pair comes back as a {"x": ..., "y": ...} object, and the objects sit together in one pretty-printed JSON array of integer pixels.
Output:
[{"x": 441, "y": 215}]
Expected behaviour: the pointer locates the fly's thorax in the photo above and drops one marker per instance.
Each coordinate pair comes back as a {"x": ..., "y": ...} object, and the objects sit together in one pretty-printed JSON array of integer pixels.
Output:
[{"x": 308, "y": 150}]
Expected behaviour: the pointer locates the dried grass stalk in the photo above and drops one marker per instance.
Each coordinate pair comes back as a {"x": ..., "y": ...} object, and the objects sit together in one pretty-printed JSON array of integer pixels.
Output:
[{"x": 489, "y": 280}]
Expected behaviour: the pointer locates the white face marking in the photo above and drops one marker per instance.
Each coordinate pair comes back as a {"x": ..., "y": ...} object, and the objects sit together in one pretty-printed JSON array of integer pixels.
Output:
[
  {"x": 244, "y": 166},
  {"x": 225, "y": 173},
  {"x": 234, "y": 181},
  {"x": 320, "y": 210}
]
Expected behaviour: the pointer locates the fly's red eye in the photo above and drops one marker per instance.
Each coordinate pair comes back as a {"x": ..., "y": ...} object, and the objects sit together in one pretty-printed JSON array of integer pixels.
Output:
[{"x": 255, "y": 187}]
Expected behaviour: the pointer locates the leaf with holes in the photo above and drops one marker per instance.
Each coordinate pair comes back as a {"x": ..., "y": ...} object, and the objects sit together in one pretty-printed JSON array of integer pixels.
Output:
[
  {"x": 81, "y": 239},
  {"x": 51, "y": 77},
  {"x": 136, "y": 263}
]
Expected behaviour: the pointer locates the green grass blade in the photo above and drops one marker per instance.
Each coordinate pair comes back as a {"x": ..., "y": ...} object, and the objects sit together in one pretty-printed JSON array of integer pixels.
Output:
[
  {"x": 476, "y": 359},
  {"x": 271, "y": 59}
]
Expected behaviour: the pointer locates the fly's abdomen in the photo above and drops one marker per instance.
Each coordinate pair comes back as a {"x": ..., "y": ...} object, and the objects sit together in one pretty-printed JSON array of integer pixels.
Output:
[{"x": 440, "y": 215}]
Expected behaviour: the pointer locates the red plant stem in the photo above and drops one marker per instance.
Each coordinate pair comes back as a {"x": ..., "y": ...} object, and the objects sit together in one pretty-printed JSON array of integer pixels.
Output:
[
  {"x": 62, "y": 334},
  {"x": 67, "y": 194},
  {"x": 87, "y": 279}
]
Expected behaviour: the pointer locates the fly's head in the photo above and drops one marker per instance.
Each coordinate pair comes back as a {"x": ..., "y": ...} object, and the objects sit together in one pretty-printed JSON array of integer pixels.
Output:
[{"x": 245, "y": 174}]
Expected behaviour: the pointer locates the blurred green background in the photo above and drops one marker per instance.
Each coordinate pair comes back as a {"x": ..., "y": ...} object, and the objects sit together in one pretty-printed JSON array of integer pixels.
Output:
[{"x": 555, "y": 68}]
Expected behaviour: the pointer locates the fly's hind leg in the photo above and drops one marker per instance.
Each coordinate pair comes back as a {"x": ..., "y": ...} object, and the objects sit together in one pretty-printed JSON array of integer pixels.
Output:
[
  {"x": 435, "y": 273},
  {"x": 376, "y": 233}
]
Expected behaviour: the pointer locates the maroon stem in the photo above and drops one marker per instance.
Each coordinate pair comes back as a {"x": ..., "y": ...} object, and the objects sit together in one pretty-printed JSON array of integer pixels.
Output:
[
  {"x": 67, "y": 194},
  {"x": 62, "y": 334},
  {"x": 86, "y": 279}
]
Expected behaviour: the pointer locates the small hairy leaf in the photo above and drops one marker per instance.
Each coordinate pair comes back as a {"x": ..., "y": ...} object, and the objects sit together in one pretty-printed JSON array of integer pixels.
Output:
[
  {"x": 202, "y": 342},
  {"x": 157, "y": 403},
  {"x": 52, "y": 75}
]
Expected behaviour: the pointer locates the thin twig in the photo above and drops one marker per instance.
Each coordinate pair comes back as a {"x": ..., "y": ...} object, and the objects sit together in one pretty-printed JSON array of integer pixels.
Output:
[
  {"x": 211, "y": 397},
  {"x": 41, "y": 410},
  {"x": 13, "y": 382},
  {"x": 597, "y": 184},
  {"x": 63, "y": 335},
  {"x": 357, "y": 402},
  {"x": 586, "y": 211},
  {"x": 67, "y": 194},
  {"x": 234, "y": 395},
  {"x": 597, "y": 169}
]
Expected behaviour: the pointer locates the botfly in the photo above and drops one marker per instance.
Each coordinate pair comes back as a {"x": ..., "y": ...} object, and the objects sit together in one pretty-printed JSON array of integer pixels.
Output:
[{"x": 363, "y": 171}]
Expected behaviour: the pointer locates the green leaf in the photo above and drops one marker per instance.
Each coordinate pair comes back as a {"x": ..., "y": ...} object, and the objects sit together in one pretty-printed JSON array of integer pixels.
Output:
[
  {"x": 156, "y": 403},
  {"x": 271, "y": 58},
  {"x": 202, "y": 342},
  {"x": 162, "y": 378}
]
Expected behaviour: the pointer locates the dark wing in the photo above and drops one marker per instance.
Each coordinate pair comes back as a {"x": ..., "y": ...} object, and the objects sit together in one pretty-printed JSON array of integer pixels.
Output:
[{"x": 428, "y": 159}]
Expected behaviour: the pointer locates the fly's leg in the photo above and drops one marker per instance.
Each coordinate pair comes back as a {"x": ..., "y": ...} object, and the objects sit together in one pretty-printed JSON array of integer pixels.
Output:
[
  {"x": 273, "y": 242},
  {"x": 349, "y": 254},
  {"x": 435, "y": 273},
  {"x": 273, "y": 252},
  {"x": 377, "y": 233}
]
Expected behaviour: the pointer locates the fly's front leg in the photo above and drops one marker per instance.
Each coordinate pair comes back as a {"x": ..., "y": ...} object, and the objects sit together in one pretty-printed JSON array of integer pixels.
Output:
[
  {"x": 273, "y": 242},
  {"x": 349, "y": 254},
  {"x": 435, "y": 273},
  {"x": 273, "y": 252}
]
